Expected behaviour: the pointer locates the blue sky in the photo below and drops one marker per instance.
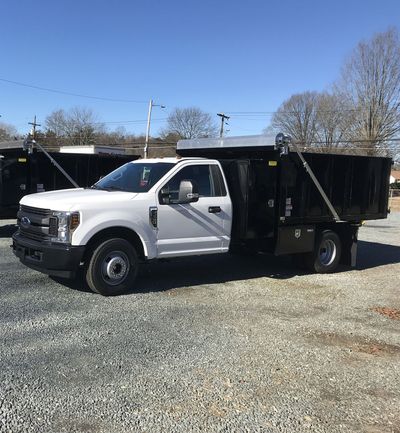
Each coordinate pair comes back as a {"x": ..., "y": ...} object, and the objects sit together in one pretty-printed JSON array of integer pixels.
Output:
[{"x": 234, "y": 56}]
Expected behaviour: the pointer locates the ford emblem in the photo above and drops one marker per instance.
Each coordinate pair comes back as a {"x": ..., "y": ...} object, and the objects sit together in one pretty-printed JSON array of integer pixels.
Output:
[{"x": 25, "y": 221}]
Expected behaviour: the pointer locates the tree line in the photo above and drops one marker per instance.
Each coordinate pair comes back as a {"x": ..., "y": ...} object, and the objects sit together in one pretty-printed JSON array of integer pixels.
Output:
[
  {"x": 81, "y": 126},
  {"x": 362, "y": 109}
]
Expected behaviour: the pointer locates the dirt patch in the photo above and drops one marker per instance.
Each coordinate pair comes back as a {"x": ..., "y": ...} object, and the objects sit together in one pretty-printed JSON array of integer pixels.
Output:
[
  {"x": 381, "y": 393},
  {"x": 379, "y": 428},
  {"x": 84, "y": 426},
  {"x": 356, "y": 343},
  {"x": 392, "y": 313}
]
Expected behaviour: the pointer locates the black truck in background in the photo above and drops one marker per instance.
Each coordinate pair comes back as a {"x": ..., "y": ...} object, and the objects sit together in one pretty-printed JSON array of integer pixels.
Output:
[{"x": 23, "y": 173}]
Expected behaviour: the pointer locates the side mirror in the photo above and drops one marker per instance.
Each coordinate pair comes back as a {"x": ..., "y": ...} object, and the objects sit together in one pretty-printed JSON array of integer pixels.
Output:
[
  {"x": 165, "y": 196},
  {"x": 188, "y": 192}
]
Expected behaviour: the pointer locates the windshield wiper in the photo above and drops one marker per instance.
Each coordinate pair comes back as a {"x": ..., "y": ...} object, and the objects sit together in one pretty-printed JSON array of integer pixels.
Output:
[
  {"x": 112, "y": 188},
  {"x": 106, "y": 188}
]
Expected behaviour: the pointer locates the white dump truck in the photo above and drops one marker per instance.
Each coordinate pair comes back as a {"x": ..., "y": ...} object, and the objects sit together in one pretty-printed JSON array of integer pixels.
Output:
[{"x": 219, "y": 195}]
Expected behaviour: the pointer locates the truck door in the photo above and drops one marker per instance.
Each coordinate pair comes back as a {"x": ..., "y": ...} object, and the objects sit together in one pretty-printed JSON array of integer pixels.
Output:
[{"x": 201, "y": 227}]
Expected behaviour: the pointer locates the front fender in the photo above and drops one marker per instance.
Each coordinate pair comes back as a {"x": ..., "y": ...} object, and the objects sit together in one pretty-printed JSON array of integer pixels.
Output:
[{"x": 96, "y": 222}]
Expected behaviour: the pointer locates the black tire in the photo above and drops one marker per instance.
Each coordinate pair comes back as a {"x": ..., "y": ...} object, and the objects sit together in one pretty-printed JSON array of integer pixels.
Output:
[
  {"x": 112, "y": 267},
  {"x": 326, "y": 256}
]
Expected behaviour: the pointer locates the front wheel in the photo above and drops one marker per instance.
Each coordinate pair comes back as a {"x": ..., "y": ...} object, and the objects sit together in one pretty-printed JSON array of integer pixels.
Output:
[
  {"x": 326, "y": 256},
  {"x": 112, "y": 267}
]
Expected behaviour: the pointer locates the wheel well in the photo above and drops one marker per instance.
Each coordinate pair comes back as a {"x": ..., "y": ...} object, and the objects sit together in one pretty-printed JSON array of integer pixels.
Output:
[
  {"x": 341, "y": 229},
  {"x": 347, "y": 233},
  {"x": 116, "y": 232}
]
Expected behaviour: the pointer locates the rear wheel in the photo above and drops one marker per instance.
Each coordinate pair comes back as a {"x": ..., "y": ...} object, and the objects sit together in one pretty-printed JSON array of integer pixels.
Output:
[
  {"x": 112, "y": 267},
  {"x": 326, "y": 256}
]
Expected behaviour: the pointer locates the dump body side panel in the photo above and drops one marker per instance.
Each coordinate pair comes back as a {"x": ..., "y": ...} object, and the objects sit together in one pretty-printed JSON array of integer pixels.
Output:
[{"x": 357, "y": 186}]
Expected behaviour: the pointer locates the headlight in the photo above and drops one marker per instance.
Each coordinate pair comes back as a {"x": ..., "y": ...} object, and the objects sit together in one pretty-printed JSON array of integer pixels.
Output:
[{"x": 62, "y": 225}]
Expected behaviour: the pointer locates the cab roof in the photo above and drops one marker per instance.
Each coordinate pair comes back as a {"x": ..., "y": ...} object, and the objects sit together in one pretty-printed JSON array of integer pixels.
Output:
[{"x": 169, "y": 160}]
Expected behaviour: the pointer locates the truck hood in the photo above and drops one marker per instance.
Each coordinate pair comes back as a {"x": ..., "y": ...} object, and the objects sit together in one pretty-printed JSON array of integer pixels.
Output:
[{"x": 75, "y": 199}]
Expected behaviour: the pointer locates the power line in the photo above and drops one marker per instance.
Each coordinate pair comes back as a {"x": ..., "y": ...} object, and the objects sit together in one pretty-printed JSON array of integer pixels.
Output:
[
  {"x": 262, "y": 113},
  {"x": 123, "y": 122},
  {"x": 256, "y": 117},
  {"x": 353, "y": 141},
  {"x": 62, "y": 92}
]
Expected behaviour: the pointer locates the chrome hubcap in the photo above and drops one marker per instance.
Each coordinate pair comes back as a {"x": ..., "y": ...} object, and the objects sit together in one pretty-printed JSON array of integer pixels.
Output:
[
  {"x": 327, "y": 252},
  {"x": 115, "y": 267}
]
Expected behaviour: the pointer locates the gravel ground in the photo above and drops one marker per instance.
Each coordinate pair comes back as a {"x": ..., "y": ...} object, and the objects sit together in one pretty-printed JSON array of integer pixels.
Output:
[{"x": 216, "y": 344}]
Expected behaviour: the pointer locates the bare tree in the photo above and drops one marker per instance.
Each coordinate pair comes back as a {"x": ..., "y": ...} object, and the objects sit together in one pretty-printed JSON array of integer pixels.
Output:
[
  {"x": 190, "y": 123},
  {"x": 118, "y": 137},
  {"x": 56, "y": 122},
  {"x": 78, "y": 126},
  {"x": 317, "y": 120},
  {"x": 334, "y": 119},
  {"x": 297, "y": 116},
  {"x": 7, "y": 131},
  {"x": 370, "y": 79}
]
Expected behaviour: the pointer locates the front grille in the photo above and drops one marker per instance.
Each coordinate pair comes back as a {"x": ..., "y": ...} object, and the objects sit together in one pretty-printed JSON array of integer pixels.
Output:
[
  {"x": 35, "y": 210},
  {"x": 36, "y": 223}
]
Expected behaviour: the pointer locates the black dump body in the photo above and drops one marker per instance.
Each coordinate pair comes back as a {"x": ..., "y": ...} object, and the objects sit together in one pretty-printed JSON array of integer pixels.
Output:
[
  {"x": 273, "y": 194},
  {"x": 22, "y": 173}
]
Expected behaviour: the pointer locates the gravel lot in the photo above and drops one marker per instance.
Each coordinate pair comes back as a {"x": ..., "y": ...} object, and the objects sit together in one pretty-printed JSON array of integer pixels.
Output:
[{"x": 206, "y": 344}]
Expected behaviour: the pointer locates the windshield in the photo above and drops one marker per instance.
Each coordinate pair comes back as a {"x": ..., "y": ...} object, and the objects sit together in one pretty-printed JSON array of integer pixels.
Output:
[{"x": 139, "y": 177}]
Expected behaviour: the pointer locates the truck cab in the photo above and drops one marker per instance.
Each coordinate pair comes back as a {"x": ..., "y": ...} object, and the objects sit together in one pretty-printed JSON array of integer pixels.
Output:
[{"x": 146, "y": 209}]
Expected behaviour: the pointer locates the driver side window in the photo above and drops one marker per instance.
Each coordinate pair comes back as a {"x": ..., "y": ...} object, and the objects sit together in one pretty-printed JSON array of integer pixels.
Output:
[{"x": 201, "y": 177}]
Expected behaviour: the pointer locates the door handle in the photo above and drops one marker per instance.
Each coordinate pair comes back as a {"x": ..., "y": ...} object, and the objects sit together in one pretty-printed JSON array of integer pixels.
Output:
[{"x": 214, "y": 209}]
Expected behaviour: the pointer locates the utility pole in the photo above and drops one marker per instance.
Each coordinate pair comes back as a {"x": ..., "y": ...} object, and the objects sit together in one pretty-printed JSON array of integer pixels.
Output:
[
  {"x": 34, "y": 125},
  {"x": 223, "y": 117},
  {"x": 146, "y": 145}
]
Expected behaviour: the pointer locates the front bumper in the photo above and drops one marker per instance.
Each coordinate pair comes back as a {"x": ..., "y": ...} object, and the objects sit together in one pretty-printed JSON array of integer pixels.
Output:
[{"x": 52, "y": 259}]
